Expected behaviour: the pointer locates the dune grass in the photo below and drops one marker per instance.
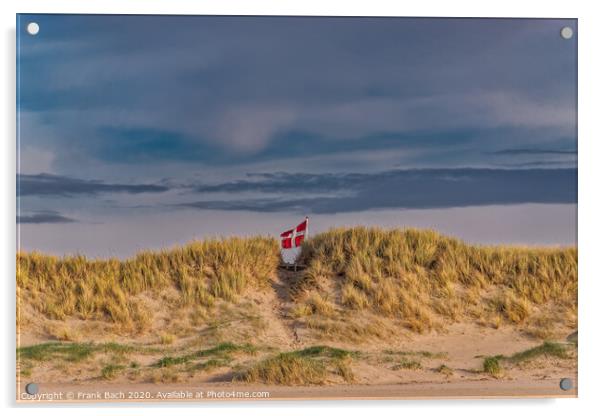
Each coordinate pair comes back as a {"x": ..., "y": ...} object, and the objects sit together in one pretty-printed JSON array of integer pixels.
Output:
[
  {"x": 111, "y": 371},
  {"x": 406, "y": 364},
  {"x": 354, "y": 329},
  {"x": 73, "y": 351},
  {"x": 360, "y": 283},
  {"x": 322, "y": 350},
  {"x": 492, "y": 366},
  {"x": 52, "y": 350},
  {"x": 213, "y": 363},
  {"x": 445, "y": 370},
  {"x": 201, "y": 272},
  {"x": 548, "y": 349},
  {"x": 222, "y": 351},
  {"x": 286, "y": 369},
  {"x": 311, "y": 365},
  {"x": 420, "y": 276},
  {"x": 425, "y": 354}
]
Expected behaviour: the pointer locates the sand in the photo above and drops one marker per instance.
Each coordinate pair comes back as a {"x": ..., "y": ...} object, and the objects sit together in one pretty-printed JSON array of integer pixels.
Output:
[{"x": 482, "y": 389}]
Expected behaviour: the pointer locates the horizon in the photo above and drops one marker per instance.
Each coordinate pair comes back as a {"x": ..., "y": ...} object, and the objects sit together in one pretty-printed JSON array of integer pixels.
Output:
[{"x": 209, "y": 239}]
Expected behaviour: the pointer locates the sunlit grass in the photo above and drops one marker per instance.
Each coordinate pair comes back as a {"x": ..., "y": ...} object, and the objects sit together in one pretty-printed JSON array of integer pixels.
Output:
[
  {"x": 421, "y": 277},
  {"x": 311, "y": 365},
  {"x": 201, "y": 272},
  {"x": 359, "y": 283}
]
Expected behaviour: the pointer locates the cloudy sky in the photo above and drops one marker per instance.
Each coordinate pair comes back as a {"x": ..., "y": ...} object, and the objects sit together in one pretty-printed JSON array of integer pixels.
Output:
[{"x": 148, "y": 131}]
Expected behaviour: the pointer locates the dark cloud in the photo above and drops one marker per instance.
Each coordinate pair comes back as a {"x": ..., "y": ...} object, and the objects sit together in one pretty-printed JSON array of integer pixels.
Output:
[
  {"x": 288, "y": 182},
  {"x": 216, "y": 89},
  {"x": 516, "y": 152},
  {"x": 261, "y": 205},
  {"x": 539, "y": 163},
  {"x": 43, "y": 217},
  {"x": 55, "y": 185},
  {"x": 419, "y": 188}
]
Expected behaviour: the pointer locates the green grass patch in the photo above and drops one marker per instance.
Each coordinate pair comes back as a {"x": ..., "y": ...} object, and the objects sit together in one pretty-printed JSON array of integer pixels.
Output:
[
  {"x": 226, "y": 348},
  {"x": 168, "y": 360},
  {"x": 222, "y": 351},
  {"x": 492, "y": 366},
  {"x": 213, "y": 363},
  {"x": 323, "y": 351},
  {"x": 425, "y": 354},
  {"x": 548, "y": 349},
  {"x": 116, "y": 348},
  {"x": 72, "y": 351},
  {"x": 110, "y": 371},
  {"x": 51, "y": 350},
  {"x": 406, "y": 364}
]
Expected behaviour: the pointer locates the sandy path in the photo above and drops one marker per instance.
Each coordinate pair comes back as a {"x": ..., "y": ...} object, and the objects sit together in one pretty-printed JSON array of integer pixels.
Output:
[
  {"x": 282, "y": 302},
  {"x": 220, "y": 391}
]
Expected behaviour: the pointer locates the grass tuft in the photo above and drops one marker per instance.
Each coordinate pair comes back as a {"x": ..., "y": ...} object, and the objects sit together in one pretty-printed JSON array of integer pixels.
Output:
[
  {"x": 301, "y": 367},
  {"x": 406, "y": 364},
  {"x": 445, "y": 370},
  {"x": 492, "y": 366},
  {"x": 167, "y": 339},
  {"x": 286, "y": 369},
  {"x": 110, "y": 371}
]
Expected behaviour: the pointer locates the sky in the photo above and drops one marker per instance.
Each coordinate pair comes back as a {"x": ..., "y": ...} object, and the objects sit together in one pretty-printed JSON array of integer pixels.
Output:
[{"x": 142, "y": 132}]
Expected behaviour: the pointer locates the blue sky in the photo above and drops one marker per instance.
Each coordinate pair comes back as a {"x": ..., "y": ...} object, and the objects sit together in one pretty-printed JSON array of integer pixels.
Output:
[{"x": 199, "y": 118}]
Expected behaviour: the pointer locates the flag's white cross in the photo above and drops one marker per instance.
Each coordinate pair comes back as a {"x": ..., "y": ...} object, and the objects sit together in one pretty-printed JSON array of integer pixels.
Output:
[{"x": 292, "y": 240}]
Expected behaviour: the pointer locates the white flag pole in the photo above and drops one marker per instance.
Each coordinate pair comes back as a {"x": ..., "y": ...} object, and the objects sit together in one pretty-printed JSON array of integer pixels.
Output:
[{"x": 306, "y": 228}]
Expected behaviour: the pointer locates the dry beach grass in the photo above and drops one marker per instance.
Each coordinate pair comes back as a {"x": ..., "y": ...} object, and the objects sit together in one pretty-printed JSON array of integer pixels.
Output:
[
  {"x": 422, "y": 278},
  {"x": 373, "y": 306}
]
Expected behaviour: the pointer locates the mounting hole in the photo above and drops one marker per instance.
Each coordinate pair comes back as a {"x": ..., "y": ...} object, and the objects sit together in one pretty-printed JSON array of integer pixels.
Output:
[
  {"x": 566, "y": 384},
  {"x": 33, "y": 28},
  {"x": 31, "y": 388},
  {"x": 566, "y": 32}
]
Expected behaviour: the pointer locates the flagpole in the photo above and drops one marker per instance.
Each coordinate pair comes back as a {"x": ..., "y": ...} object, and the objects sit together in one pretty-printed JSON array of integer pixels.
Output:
[
  {"x": 306, "y": 227},
  {"x": 295, "y": 245}
]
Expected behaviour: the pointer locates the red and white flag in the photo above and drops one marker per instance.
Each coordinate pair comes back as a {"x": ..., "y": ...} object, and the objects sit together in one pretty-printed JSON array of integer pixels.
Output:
[{"x": 294, "y": 237}]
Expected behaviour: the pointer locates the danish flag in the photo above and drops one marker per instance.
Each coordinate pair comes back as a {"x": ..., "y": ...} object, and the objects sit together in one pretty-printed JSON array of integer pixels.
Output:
[{"x": 294, "y": 237}]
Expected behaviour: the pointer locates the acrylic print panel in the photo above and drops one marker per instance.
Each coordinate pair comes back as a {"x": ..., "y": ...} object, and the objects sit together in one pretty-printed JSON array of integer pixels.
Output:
[{"x": 219, "y": 207}]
